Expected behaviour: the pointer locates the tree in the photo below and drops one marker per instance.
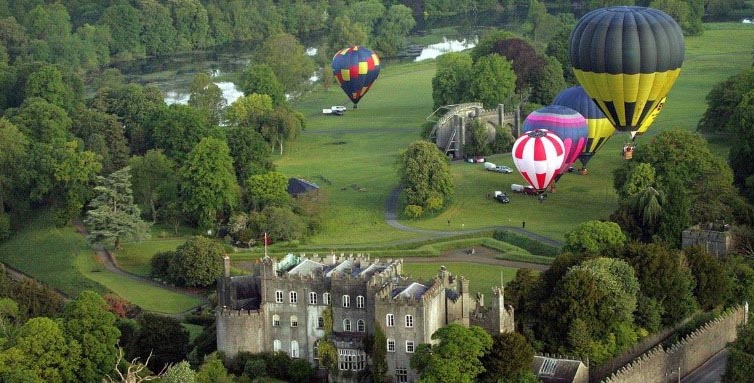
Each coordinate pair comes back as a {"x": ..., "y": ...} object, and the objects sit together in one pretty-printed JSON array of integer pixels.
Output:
[
  {"x": 740, "y": 366},
  {"x": 207, "y": 182},
  {"x": 15, "y": 146},
  {"x": 594, "y": 237},
  {"x": 287, "y": 58},
  {"x": 177, "y": 129},
  {"x": 102, "y": 134},
  {"x": 213, "y": 371},
  {"x": 493, "y": 80},
  {"x": 191, "y": 24},
  {"x": 197, "y": 262},
  {"x": 88, "y": 321},
  {"x": 455, "y": 357},
  {"x": 158, "y": 35},
  {"x": 681, "y": 11},
  {"x": 179, "y": 373},
  {"x": 282, "y": 125},
  {"x": 154, "y": 180},
  {"x": 379, "y": 355},
  {"x": 557, "y": 48},
  {"x": 164, "y": 338},
  {"x": 477, "y": 139},
  {"x": 393, "y": 29},
  {"x": 723, "y": 100},
  {"x": 424, "y": 173},
  {"x": 268, "y": 189},
  {"x": 124, "y": 24},
  {"x": 251, "y": 153},
  {"x": 261, "y": 79},
  {"x": 113, "y": 215},
  {"x": 345, "y": 33},
  {"x": 207, "y": 96},
  {"x": 280, "y": 224},
  {"x": 47, "y": 83},
  {"x": 713, "y": 287},
  {"x": 249, "y": 111},
  {"x": 511, "y": 355},
  {"x": 741, "y": 155},
  {"x": 367, "y": 14},
  {"x": 452, "y": 80},
  {"x": 42, "y": 352},
  {"x": 664, "y": 276}
]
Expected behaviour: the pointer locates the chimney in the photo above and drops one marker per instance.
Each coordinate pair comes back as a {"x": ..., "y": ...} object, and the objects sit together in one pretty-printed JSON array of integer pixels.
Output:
[{"x": 226, "y": 266}]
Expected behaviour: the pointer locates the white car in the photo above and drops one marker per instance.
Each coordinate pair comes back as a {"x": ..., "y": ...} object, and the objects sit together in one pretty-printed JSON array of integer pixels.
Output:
[
  {"x": 501, "y": 169},
  {"x": 339, "y": 108}
]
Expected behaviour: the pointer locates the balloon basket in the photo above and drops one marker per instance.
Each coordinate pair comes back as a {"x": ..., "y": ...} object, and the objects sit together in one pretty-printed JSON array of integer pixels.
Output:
[
  {"x": 628, "y": 151},
  {"x": 583, "y": 171}
]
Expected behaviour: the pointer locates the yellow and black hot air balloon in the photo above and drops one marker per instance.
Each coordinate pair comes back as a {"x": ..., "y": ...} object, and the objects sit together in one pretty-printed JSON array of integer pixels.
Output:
[{"x": 627, "y": 59}]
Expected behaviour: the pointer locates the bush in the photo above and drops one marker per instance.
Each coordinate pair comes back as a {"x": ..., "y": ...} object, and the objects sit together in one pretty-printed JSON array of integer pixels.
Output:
[
  {"x": 434, "y": 203},
  {"x": 197, "y": 262},
  {"x": 4, "y": 226},
  {"x": 413, "y": 211},
  {"x": 160, "y": 264}
]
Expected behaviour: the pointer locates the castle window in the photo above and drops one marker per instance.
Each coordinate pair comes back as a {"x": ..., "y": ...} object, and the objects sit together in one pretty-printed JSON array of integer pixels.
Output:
[
  {"x": 360, "y": 302},
  {"x": 276, "y": 345},
  {"x": 294, "y": 349},
  {"x": 276, "y": 320},
  {"x": 409, "y": 321},
  {"x": 346, "y": 301},
  {"x": 353, "y": 360},
  {"x": 321, "y": 322},
  {"x": 360, "y": 326},
  {"x": 312, "y": 298},
  {"x": 390, "y": 320},
  {"x": 347, "y": 325},
  {"x": 293, "y": 297},
  {"x": 326, "y": 298},
  {"x": 294, "y": 321},
  {"x": 279, "y": 296},
  {"x": 315, "y": 350},
  {"x": 401, "y": 374},
  {"x": 410, "y": 346},
  {"x": 391, "y": 345}
]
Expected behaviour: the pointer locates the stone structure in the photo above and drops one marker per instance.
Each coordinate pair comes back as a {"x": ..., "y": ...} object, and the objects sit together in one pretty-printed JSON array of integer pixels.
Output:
[
  {"x": 450, "y": 131},
  {"x": 283, "y": 306},
  {"x": 716, "y": 239},
  {"x": 660, "y": 364},
  {"x": 551, "y": 369}
]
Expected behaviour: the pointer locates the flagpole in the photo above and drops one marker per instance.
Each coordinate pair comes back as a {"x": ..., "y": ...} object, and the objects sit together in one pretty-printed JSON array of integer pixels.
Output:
[{"x": 265, "y": 244}]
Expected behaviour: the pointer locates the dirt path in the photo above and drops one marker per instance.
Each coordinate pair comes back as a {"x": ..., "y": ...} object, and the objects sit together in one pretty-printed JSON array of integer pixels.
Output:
[{"x": 106, "y": 259}]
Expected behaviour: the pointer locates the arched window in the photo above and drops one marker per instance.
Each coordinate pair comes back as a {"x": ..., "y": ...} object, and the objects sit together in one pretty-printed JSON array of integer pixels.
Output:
[
  {"x": 359, "y": 302},
  {"x": 312, "y": 298},
  {"x": 294, "y": 349},
  {"x": 360, "y": 326},
  {"x": 276, "y": 320},
  {"x": 347, "y": 325},
  {"x": 346, "y": 301},
  {"x": 389, "y": 320},
  {"x": 294, "y": 321},
  {"x": 326, "y": 298},
  {"x": 276, "y": 345}
]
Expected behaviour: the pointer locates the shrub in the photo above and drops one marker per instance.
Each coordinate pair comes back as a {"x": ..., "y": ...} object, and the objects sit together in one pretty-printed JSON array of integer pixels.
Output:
[
  {"x": 413, "y": 211},
  {"x": 160, "y": 264}
]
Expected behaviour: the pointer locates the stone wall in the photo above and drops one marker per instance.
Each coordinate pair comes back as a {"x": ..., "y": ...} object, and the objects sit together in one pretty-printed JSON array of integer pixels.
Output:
[
  {"x": 239, "y": 330},
  {"x": 659, "y": 363},
  {"x": 716, "y": 242}
]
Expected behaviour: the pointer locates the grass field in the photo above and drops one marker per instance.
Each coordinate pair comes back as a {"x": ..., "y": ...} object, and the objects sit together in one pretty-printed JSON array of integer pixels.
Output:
[
  {"x": 135, "y": 257},
  {"x": 482, "y": 277},
  {"x": 359, "y": 150}
]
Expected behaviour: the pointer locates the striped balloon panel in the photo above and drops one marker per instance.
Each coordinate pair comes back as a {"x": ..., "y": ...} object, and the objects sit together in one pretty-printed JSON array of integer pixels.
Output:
[
  {"x": 568, "y": 124},
  {"x": 650, "y": 119},
  {"x": 599, "y": 127},
  {"x": 538, "y": 155},
  {"x": 355, "y": 68}
]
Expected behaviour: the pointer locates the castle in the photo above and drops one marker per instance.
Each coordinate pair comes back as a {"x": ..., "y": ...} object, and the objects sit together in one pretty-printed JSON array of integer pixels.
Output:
[{"x": 284, "y": 306}]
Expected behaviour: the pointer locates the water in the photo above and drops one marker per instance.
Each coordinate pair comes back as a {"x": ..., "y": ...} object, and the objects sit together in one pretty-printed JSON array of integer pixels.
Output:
[{"x": 433, "y": 50}]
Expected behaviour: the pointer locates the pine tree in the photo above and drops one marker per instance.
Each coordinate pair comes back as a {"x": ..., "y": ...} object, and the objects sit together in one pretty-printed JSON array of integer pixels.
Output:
[{"x": 113, "y": 215}]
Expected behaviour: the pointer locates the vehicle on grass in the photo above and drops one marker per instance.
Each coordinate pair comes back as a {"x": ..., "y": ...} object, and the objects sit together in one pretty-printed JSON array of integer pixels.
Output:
[
  {"x": 489, "y": 165},
  {"x": 336, "y": 110},
  {"x": 501, "y": 169},
  {"x": 530, "y": 190},
  {"x": 502, "y": 197},
  {"x": 475, "y": 159}
]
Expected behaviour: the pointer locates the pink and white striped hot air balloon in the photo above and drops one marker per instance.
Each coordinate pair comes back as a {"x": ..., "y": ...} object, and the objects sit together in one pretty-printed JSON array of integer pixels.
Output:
[{"x": 538, "y": 156}]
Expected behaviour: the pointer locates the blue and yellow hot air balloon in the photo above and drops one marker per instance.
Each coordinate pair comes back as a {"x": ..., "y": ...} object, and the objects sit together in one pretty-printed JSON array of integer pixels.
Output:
[
  {"x": 627, "y": 59},
  {"x": 356, "y": 68},
  {"x": 600, "y": 128}
]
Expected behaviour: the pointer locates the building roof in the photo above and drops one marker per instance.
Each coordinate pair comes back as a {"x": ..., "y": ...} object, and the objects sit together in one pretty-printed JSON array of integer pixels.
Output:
[
  {"x": 372, "y": 269},
  {"x": 414, "y": 290},
  {"x": 306, "y": 267},
  {"x": 551, "y": 370},
  {"x": 298, "y": 186}
]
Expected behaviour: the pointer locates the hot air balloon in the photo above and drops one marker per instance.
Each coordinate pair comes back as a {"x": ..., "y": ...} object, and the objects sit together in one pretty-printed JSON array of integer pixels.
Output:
[
  {"x": 567, "y": 124},
  {"x": 600, "y": 128},
  {"x": 627, "y": 58},
  {"x": 538, "y": 156},
  {"x": 649, "y": 120},
  {"x": 356, "y": 68}
]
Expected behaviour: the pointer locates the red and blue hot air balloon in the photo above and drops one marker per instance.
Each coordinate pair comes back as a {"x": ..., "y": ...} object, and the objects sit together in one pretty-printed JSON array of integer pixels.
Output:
[
  {"x": 356, "y": 68},
  {"x": 599, "y": 126},
  {"x": 538, "y": 156},
  {"x": 567, "y": 124}
]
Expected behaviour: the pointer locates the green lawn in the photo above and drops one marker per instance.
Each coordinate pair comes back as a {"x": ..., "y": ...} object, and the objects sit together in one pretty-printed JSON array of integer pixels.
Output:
[
  {"x": 358, "y": 151},
  {"x": 136, "y": 257},
  {"x": 482, "y": 277}
]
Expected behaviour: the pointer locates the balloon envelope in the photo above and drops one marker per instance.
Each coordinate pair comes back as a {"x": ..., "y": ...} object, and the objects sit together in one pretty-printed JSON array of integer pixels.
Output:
[
  {"x": 356, "y": 68},
  {"x": 538, "y": 156},
  {"x": 599, "y": 127},
  {"x": 567, "y": 124},
  {"x": 649, "y": 120},
  {"x": 627, "y": 59}
]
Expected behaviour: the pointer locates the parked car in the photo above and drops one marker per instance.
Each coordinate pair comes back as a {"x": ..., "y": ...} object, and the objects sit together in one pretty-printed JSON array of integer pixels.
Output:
[
  {"x": 529, "y": 190},
  {"x": 476, "y": 160},
  {"x": 501, "y": 169},
  {"x": 502, "y": 198}
]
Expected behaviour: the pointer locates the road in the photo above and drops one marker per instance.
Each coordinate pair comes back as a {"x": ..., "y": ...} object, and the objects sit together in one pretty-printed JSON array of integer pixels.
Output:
[{"x": 711, "y": 371}]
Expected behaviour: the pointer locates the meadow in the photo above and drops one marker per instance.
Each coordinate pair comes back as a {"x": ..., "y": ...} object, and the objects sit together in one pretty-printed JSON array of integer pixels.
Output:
[
  {"x": 352, "y": 157},
  {"x": 481, "y": 279}
]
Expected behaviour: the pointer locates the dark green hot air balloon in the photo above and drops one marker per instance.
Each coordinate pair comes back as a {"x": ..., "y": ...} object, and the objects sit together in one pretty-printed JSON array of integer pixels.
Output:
[{"x": 627, "y": 59}]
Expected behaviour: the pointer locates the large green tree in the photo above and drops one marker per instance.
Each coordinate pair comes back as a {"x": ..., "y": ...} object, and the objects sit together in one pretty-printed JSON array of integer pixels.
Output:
[
  {"x": 740, "y": 366},
  {"x": 723, "y": 100},
  {"x": 251, "y": 154},
  {"x": 593, "y": 237},
  {"x": 261, "y": 79},
  {"x": 162, "y": 337},
  {"x": 393, "y": 29},
  {"x": 741, "y": 155},
  {"x": 508, "y": 359},
  {"x": 177, "y": 129},
  {"x": 197, "y": 262},
  {"x": 41, "y": 353},
  {"x": 287, "y": 58},
  {"x": 208, "y": 183},
  {"x": 268, "y": 189},
  {"x": 113, "y": 215},
  {"x": 154, "y": 180},
  {"x": 206, "y": 96},
  {"x": 493, "y": 80},
  {"x": 452, "y": 80},
  {"x": 103, "y": 134},
  {"x": 425, "y": 174},
  {"x": 456, "y": 357}
]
